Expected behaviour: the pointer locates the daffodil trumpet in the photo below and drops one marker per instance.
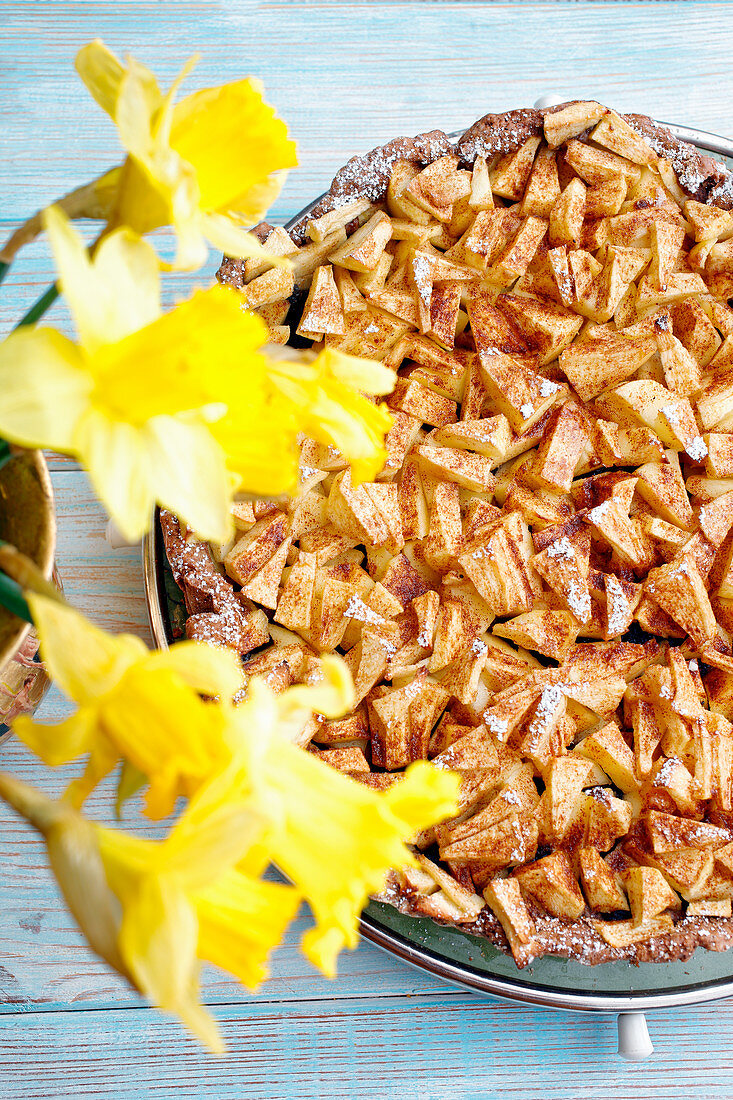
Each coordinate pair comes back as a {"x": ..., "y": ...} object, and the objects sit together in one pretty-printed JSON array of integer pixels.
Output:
[{"x": 181, "y": 408}]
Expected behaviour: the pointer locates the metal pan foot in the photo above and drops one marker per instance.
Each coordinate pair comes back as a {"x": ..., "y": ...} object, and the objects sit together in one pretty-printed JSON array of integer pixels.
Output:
[{"x": 634, "y": 1043}]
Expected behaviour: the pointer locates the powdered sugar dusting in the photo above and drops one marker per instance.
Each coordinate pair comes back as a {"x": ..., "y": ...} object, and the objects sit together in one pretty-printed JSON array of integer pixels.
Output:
[
  {"x": 497, "y": 726},
  {"x": 562, "y": 548},
  {"x": 357, "y": 609},
  {"x": 697, "y": 449}
]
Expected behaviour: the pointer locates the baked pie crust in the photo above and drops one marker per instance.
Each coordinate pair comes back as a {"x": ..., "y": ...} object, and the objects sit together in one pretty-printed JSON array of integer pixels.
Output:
[{"x": 537, "y": 590}]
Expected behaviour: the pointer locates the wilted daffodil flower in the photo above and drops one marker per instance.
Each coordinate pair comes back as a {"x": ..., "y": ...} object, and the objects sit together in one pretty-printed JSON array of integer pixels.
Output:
[
  {"x": 335, "y": 839},
  {"x": 154, "y": 910},
  {"x": 209, "y": 165},
  {"x": 133, "y": 705},
  {"x": 181, "y": 408}
]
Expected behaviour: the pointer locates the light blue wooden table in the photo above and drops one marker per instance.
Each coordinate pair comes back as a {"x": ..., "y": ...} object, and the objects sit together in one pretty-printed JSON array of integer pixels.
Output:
[{"x": 345, "y": 77}]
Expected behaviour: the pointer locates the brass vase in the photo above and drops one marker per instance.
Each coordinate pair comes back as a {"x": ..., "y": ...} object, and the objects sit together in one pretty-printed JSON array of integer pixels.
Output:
[{"x": 28, "y": 521}]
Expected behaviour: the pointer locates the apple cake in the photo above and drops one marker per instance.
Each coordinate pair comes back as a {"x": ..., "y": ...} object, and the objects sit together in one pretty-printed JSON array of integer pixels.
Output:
[{"x": 537, "y": 590}]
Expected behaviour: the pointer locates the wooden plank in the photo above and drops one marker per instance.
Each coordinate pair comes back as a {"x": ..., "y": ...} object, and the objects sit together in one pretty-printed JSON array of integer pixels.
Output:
[
  {"x": 401, "y": 1048},
  {"x": 103, "y": 582},
  {"x": 365, "y": 73}
]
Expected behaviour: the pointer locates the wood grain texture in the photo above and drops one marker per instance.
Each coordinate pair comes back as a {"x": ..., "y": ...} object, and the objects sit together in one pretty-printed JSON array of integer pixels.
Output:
[
  {"x": 391, "y": 1048},
  {"x": 345, "y": 77}
]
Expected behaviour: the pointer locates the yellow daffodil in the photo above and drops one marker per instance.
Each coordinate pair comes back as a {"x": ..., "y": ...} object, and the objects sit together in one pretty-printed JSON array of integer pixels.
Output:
[
  {"x": 209, "y": 165},
  {"x": 320, "y": 395},
  {"x": 326, "y": 388},
  {"x": 132, "y": 400},
  {"x": 154, "y": 910},
  {"x": 181, "y": 408},
  {"x": 133, "y": 705},
  {"x": 335, "y": 839}
]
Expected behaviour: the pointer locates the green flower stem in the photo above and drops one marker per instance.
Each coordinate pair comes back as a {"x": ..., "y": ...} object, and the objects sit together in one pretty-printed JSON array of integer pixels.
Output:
[
  {"x": 24, "y": 572},
  {"x": 4, "y": 269},
  {"x": 40, "y": 307},
  {"x": 12, "y": 599},
  {"x": 5, "y": 453}
]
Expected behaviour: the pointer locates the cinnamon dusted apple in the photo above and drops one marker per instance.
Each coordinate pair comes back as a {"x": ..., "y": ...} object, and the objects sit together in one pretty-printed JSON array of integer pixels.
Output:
[{"x": 536, "y": 590}]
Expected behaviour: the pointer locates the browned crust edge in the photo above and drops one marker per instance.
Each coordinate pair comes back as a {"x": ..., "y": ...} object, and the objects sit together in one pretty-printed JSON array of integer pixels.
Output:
[
  {"x": 578, "y": 939},
  {"x": 700, "y": 176}
]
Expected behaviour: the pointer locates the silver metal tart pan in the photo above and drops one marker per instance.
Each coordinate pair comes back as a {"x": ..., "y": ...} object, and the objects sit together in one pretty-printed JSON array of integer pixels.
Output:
[{"x": 472, "y": 963}]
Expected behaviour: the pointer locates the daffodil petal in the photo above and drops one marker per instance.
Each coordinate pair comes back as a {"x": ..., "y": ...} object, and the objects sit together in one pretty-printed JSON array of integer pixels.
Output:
[
  {"x": 425, "y": 792},
  {"x": 116, "y": 456},
  {"x": 131, "y": 781},
  {"x": 44, "y": 389},
  {"x": 84, "y": 661},
  {"x": 158, "y": 940},
  {"x": 87, "y": 297},
  {"x": 163, "y": 792},
  {"x": 112, "y": 295},
  {"x": 102, "y": 74},
  {"x": 60, "y": 743},
  {"x": 133, "y": 113},
  {"x": 206, "y": 668},
  {"x": 240, "y": 921},
  {"x": 161, "y": 725},
  {"x": 217, "y": 829},
  {"x": 190, "y": 475},
  {"x": 128, "y": 267},
  {"x": 331, "y": 696},
  {"x": 103, "y": 758},
  {"x": 355, "y": 427},
  {"x": 192, "y": 250},
  {"x": 163, "y": 118},
  {"x": 366, "y": 375},
  {"x": 322, "y": 945},
  {"x": 227, "y": 235},
  {"x": 233, "y": 140}
]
